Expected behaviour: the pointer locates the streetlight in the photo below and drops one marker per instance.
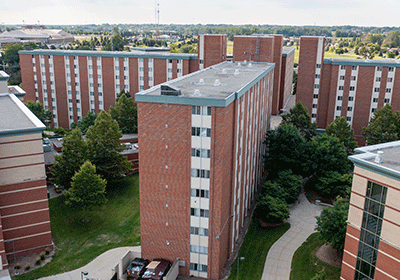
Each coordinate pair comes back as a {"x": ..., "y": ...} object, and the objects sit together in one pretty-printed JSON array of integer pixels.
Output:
[
  {"x": 8, "y": 242},
  {"x": 240, "y": 259},
  {"x": 84, "y": 273}
]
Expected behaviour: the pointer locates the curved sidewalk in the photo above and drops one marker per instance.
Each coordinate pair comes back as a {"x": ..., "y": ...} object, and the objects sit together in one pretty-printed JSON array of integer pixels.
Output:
[
  {"x": 302, "y": 224},
  {"x": 99, "y": 268}
]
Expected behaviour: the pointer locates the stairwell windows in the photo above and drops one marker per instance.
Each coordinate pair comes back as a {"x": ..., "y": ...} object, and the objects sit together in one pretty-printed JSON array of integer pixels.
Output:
[
  {"x": 199, "y": 231},
  {"x": 198, "y": 249},
  {"x": 376, "y": 89},
  {"x": 341, "y": 77},
  {"x": 199, "y": 193},
  {"x": 199, "y": 212},
  {"x": 200, "y": 173},
  {"x": 203, "y": 153},
  {"x": 318, "y": 65},
  {"x": 201, "y": 110},
  {"x": 201, "y": 131},
  {"x": 198, "y": 267}
]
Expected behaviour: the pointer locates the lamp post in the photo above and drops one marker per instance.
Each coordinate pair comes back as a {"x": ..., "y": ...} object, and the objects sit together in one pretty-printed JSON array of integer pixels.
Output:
[
  {"x": 12, "y": 241},
  {"x": 84, "y": 273},
  {"x": 240, "y": 259}
]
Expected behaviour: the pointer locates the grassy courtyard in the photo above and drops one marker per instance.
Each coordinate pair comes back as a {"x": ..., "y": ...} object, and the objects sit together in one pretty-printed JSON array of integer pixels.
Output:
[
  {"x": 254, "y": 249},
  {"x": 305, "y": 263},
  {"x": 111, "y": 225}
]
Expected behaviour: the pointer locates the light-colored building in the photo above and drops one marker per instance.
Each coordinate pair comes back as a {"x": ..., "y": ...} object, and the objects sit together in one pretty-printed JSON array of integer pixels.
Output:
[
  {"x": 37, "y": 34},
  {"x": 372, "y": 247},
  {"x": 24, "y": 210}
]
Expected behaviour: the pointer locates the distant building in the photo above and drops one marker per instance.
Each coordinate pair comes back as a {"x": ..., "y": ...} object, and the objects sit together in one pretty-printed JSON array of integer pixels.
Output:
[
  {"x": 37, "y": 34},
  {"x": 372, "y": 247},
  {"x": 24, "y": 210},
  {"x": 349, "y": 88},
  {"x": 201, "y": 161}
]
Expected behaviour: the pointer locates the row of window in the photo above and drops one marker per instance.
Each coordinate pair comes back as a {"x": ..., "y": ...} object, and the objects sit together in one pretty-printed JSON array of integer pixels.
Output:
[
  {"x": 199, "y": 249},
  {"x": 201, "y": 110},
  {"x": 198, "y": 267},
  {"x": 201, "y": 131},
  {"x": 197, "y": 212},
  {"x": 198, "y": 152},
  {"x": 199, "y": 231},
  {"x": 349, "y": 109},
  {"x": 389, "y": 80},
  {"x": 343, "y": 67},
  {"x": 200, "y": 173},
  {"x": 199, "y": 193}
]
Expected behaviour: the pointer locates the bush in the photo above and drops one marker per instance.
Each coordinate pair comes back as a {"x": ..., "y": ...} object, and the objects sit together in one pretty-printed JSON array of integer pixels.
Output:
[
  {"x": 27, "y": 267},
  {"x": 333, "y": 184},
  {"x": 47, "y": 251},
  {"x": 38, "y": 261},
  {"x": 17, "y": 266},
  {"x": 272, "y": 210},
  {"x": 291, "y": 185},
  {"x": 320, "y": 275},
  {"x": 42, "y": 255}
]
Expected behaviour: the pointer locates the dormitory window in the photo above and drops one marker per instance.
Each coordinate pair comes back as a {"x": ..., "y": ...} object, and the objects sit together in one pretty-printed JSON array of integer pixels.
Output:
[
  {"x": 178, "y": 70},
  {"x": 351, "y": 98},
  {"x": 316, "y": 86},
  {"x": 45, "y": 90},
  {"x": 98, "y": 67},
  {"x": 77, "y": 92},
  {"x": 375, "y": 100},
  {"x": 352, "y": 88},
  {"x": 100, "y": 93},
  {"x": 378, "y": 79},
  {"x": 387, "y": 100},
  {"x": 199, "y": 193},
  {"x": 371, "y": 228},
  {"x": 201, "y": 110},
  {"x": 169, "y": 70},
  {"x": 388, "y": 90},
  {"x": 170, "y": 61},
  {"x": 197, "y": 152},
  {"x": 201, "y": 131},
  {"x": 69, "y": 92},
  {"x": 342, "y": 77},
  {"x": 100, "y": 102},
  {"x": 199, "y": 231},
  {"x": 70, "y": 109},
  {"x": 317, "y": 76},
  {"x": 376, "y": 89},
  {"x": 141, "y": 69},
  {"x": 141, "y": 87},
  {"x": 391, "y": 69},
  {"x": 353, "y": 67},
  {"x": 198, "y": 267},
  {"x": 313, "y": 115},
  {"x": 45, "y": 99},
  {"x": 99, "y": 77},
  {"x": 373, "y": 110},
  {"x": 46, "y": 107},
  {"x": 200, "y": 173},
  {"x": 99, "y": 85},
  {"x": 315, "y": 95},
  {"x": 90, "y": 67},
  {"x": 70, "y": 100},
  {"x": 150, "y": 69},
  {"x": 390, "y": 80},
  {"x": 340, "y": 98},
  {"x": 117, "y": 77},
  {"x": 353, "y": 78},
  {"x": 199, "y": 212},
  {"x": 314, "y": 105},
  {"x": 343, "y": 67},
  {"x": 141, "y": 78},
  {"x": 92, "y": 93},
  {"x": 349, "y": 109},
  {"x": 348, "y": 119},
  {"x": 379, "y": 68},
  {"x": 198, "y": 249},
  {"x": 318, "y": 65},
  {"x": 338, "y": 108}
]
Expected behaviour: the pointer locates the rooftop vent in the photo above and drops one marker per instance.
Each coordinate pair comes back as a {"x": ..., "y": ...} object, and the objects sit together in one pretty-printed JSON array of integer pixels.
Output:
[
  {"x": 250, "y": 65},
  {"x": 201, "y": 82},
  {"x": 245, "y": 61},
  {"x": 236, "y": 72},
  {"x": 224, "y": 71},
  {"x": 239, "y": 64},
  {"x": 379, "y": 157},
  {"x": 170, "y": 90},
  {"x": 196, "y": 93},
  {"x": 217, "y": 83}
]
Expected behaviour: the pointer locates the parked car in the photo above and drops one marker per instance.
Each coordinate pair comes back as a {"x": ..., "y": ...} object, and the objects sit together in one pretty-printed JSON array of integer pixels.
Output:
[
  {"x": 157, "y": 269},
  {"x": 136, "y": 268}
]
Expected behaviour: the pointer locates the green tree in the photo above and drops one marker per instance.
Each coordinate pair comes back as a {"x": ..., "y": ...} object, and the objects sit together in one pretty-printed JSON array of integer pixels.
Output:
[
  {"x": 290, "y": 184},
  {"x": 85, "y": 122},
  {"x": 333, "y": 184},
  {"x": 45, "y": 116},
  {"x": 342, "y": 130},
  {"x": 332, "y": 225},
  {"x": 272, "y": 209},
  {"x": 324, "y": 154},
  {"x": 74, "y": 154},
  {"x": 125, "y": 113},
  {"x": 383, "y": 127},
  {"x": 11, "y": 55},
  {"x": 121, "y": 93},
  {"x": 285, "y": 148},
  {"x": 87, "y": 189},
  {"x": 104, "y": 149},
  {"x": 320, "y": 275},
  {"x": 299, "y": 117}
]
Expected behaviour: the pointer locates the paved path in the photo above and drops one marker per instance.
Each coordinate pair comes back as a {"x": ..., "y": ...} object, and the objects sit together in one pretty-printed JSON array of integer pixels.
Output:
[
  {"x": 302, "y": 224},
  {"x": 99, "y": 268}
]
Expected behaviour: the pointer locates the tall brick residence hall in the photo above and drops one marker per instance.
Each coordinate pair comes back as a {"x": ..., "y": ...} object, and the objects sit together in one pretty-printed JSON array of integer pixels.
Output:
[
  {"x": 24, "y": 210},
  {"x": 72, "y": 83},
  {"x": 349, "y": 88},
  {"x": 201, "y": 159},
  {"x": 372, "y": 247}
]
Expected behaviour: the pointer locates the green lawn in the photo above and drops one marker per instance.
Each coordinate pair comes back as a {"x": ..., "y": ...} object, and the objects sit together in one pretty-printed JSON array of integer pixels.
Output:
[
  {"x": 111, "y": 225},
  {"x": 254, "y": 249},
  {"x": 305, "y": 264}
]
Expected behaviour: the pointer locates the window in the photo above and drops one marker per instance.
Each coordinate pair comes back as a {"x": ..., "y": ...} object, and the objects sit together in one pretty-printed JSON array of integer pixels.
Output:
[
  {"x": 353, "y": 78},
  {"x": 178, "y": 70},
  {"x": 391, "y": 69},
  {"x": 313, "y": 115},
  {"x": 317, "y": 76},
  {"x": 349, "y": 109},
  {"x": 54, "y": 108},
  {"x": 390, "y": 80},
  {"x": 199, "y": 193},
  {"x": 388, "y": 90},
  {"x": 99, "y": 85},
  {"x": 44, "y": 90},
  {"x": 201, "y": 131},
  {"x": 199, "y": 212},
  {"x": 126, "y": 86},
  {"x": 379, "y": 68},
  {"x": 199, "y": 249},
  {"x": 45, "y": 99},
  {"x": 351, "y": 98},
  {"x": 314, "y": 105},
  {"x": 90, "y": 67},
  {"x": 354, "y": 67},
  {"x": 70, "y": 109},
  {"x": 378, "y": 79},
  {"x": 100, "y": 102},
  {"x": 52, "y": 91},
  {"x": 315, "y": 96},
  {"x": 92, "y": 102},
  {"x": 92, "y": 93},
  {"x": 117, "y": 68},
  {"x": 99, "y": 77},
  {"x": 348, "y": 119},
  {"x": 387, "y": 100},
  {"x": 98, "y": 67},
  {"x": 77, "y": 92},
  {"x": 316, "y": 86},
  {"x": 199, "y": 231},
  {"x": 318, "y": 65},
  {"x": 75, "y": 66},
  {"x": 200, "y": 173},
  {"x": 76, "y": 75},
  {"x": 141, "y": 69},
  {"x": 68, "y": 75},
  {"x": 141, "y": 78},
  {"x": 150, "y": 69},
  {"x": 170, "y": 61},
  {"x": 100, "y": 93},
  {"x": 376, "y": 89},
  {"x": 67, "y": 66},
  {"x": 340, "y": 98},
  {"x": 343, "y": 67},
  {"x": 70, "y": 100},
  {"x": 201, "y": 110},
  {"x": 77, "y": 84},
  {"x": 339, "y": 108},
  {"x": 352, "y": 88},
  {"x": 198, "y": 267},
  {"x": 78, "y": 101},
  {"x": 373, "y": 110},
  {"x": 91, "y": 84},
  {"x": 117, "y": 77},
  {"x": 78, "y": 110},
  {"x": 141, "y": 87},
  {"x": 341, "y": 77},
  {"x": 371, "y": 228},
  {"x": 169, "y": 70},
  {"x": 375, "y": 100}
]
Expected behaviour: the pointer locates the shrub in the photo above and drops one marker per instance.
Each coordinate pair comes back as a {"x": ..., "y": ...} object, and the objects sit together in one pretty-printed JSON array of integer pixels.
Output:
[
  {"x": 272, "y": 210},
  {"x": 47, "y": 251},
  {"x": 320, "y": 275},
  {"x": 42, "y": 255},
  {"x": 291, "y": 185},
  {"x": 38, "y": 261},
  {"x": 17, "y": 266},
  {"x": 333, "y": 184},
  {"x": 27, "y": 267}
]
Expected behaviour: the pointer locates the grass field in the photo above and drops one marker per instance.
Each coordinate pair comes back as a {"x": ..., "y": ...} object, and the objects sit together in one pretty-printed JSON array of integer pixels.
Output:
[
  {"x": 111, "y": 225},
  {"x": 254, "y": 249},
  {"x": 305, "y": 263}
]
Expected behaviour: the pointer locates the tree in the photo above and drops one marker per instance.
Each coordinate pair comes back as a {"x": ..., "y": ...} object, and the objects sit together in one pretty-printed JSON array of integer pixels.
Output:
[
  {"x": 74, "y": 154},
  {"x": 272, "y": 209},
  {"x": 325, "y": 153},
  {"x": 321, "y": 275},
  {"x": 87, "y": 189},
  {"x": 121, "y": 93},
  {"x": 125, "y": 113},
  {"x": 383, "y": 127},
  {"x": 342, "y": 130},
  {"x": 299, "y": 117},
  {"x": 45, "y": 116},
  {"x": 104, "y": 148},
  {"x": 85, "y": 122},
  {"x": 285, "y": 148},
  {"x": 11, "y": 55},
  {"x": 331, "y": 224},
  {"x": 333, "y": 184},
  {"x": 290, "y": 184}
]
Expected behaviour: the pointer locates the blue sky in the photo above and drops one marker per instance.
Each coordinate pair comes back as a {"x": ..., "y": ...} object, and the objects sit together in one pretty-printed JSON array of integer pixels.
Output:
[{"x": 284, "y": 12}]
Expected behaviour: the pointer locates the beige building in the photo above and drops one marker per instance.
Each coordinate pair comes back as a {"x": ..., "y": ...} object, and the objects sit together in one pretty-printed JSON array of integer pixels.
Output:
[
  {"x": 372, "y": 248},
  {"x": 24, "y": 210}
]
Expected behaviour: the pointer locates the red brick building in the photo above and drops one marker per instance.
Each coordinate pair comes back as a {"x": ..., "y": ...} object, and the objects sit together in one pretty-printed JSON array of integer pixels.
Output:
[
  {"x": 72, "y": 83},
  {"x": 372, "y": 246},
  {"x": 24, "y": 210},
  {"x": 201, "y": 159},
  {"x": 349, "y": 88}
]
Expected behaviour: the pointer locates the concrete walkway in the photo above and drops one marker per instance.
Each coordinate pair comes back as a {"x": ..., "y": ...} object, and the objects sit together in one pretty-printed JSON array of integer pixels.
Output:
[
  {"x": 302, "y": 224},
  {"x": 99, "y": 268}
]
